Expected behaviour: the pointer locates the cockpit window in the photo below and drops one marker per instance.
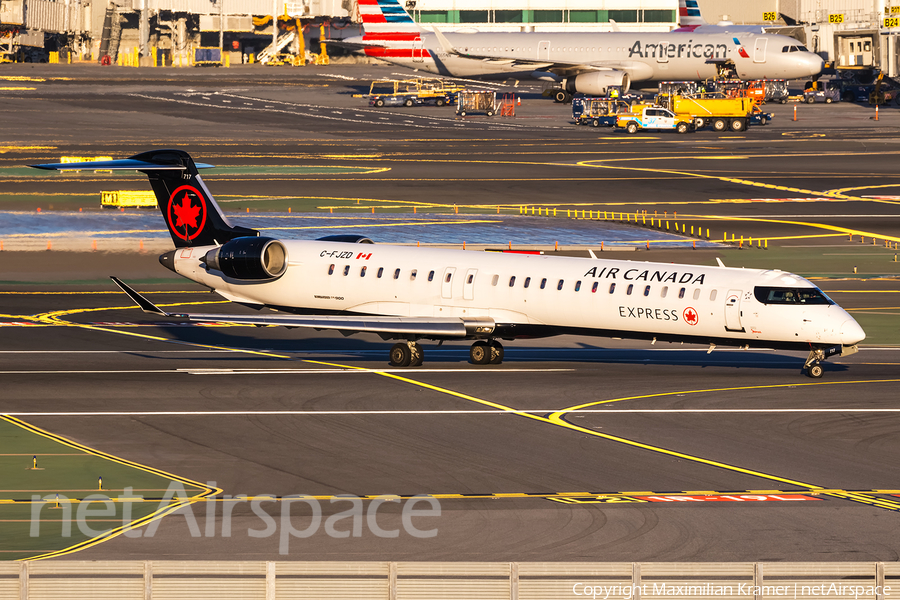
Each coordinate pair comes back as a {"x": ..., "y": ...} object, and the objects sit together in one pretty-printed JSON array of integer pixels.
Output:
[
  {"x": 802, "y": 49},
  {"x": 783, "y": 295}
]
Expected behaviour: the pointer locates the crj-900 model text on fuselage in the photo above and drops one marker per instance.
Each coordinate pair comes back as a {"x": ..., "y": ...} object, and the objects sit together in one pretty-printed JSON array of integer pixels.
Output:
[{"x": 412, "y": 294}]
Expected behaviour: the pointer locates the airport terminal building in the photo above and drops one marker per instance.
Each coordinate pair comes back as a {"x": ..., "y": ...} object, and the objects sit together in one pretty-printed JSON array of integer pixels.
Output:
[{"x": 852, "y": 33}]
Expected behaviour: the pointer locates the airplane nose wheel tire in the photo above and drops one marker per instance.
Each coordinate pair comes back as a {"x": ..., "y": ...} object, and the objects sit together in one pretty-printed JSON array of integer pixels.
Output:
[
  {"x": 815, "y": 371},
  {"x": 401, "y": 355},
  {"x": 480, "y": 353}
]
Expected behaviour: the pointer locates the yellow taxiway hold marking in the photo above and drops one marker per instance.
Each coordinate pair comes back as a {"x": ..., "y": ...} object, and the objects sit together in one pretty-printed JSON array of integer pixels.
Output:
[
  {"x": 16, "y": 89},
  {"x": 843, "y": 230},
  {"x": 158, "y": 514}
]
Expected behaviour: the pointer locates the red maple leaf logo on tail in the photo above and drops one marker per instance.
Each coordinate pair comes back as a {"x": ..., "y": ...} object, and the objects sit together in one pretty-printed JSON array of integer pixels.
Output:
[{"x": 187, "y": 214}]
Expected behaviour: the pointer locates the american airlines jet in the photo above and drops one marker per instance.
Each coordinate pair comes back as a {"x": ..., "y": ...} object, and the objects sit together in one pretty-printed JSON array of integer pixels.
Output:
[
  {"x": 581, "y": 62},
  {"x": 348, "y": 284}
]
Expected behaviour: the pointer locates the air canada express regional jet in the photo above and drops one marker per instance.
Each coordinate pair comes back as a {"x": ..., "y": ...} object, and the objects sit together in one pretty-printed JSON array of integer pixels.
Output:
[{"x": 348, "y": 284}]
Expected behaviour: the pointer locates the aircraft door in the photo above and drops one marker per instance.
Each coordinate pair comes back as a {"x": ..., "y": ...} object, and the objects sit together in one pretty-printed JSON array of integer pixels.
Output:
[
  {"x": 662, "y": 54},
  {"x": 759, "y": 52},
  {"x": 733, "y": 311},
  {"x": 469, "y": 285},
  {"x": 447, "y": 283},
  {"x": 418, "y": 51},
  {"x": 543, "y": 52}
]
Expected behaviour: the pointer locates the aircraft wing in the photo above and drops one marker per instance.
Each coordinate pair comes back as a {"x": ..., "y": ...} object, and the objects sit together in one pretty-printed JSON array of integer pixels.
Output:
[{"x": 387, "y": 327}]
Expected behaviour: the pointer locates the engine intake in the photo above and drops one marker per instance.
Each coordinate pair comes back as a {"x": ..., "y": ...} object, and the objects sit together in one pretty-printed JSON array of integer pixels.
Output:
[
  {"x": 597, "y": 83},
  {"x": 249, "y": 258}
]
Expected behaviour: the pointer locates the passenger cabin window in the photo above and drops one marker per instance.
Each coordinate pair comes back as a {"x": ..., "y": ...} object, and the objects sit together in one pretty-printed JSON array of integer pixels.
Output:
[
  {"x": 527, "y": 282},
  {"x": 449, "y": 275},
  {"x": 712, "y": 295},
  {"x": 431, "y": 276},
  {"x": 362, "y": 272},
  {"x": 470, "y": 279},
  {"x": 697, "y": 294},
  {"x": 412, "y": 275},
  {"x": 664, "y": 291},
  {"x": 495, "y": 280},
  {"x": 331, "y": 269},
  {"x": 543, "y": 283},
  {"x": 594, "y": 287},
  {"x": 380, "y": 272},
  {"x": 397, "y": 274},
  {"x": 781, "y": 295},
  {"x": 559, "y": 286},
  {"x": 612, "y": 288},
  {"x": 647, "y": 291},
  {"x": 346, "y": 270},
  {"x": 629, "y": 289},
  {"x": 512, "y": 281},
  {"x": 681, "y": 293},
  {"x": 577, "y": 286}
]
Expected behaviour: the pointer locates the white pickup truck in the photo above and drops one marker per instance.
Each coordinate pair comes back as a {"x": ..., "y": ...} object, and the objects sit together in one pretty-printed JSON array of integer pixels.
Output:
[{"x": 651, "y": 116}]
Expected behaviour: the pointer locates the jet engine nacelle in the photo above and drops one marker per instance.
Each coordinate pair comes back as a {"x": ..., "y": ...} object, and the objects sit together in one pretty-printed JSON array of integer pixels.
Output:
[
  {"x": 597, "y": 83},
  {"x": 249, "y": 258}
]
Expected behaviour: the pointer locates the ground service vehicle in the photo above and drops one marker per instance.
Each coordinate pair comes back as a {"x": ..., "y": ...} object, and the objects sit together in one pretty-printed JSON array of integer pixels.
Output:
[
  {"x": 651, "y": 116},
  {"x": 711, "y": 109},
  {"x": 406, "y": 92},
  {"x": 758, "y": 117},
  {"x": 597, "y": 111},
  {"x": 826, "y": 91}
]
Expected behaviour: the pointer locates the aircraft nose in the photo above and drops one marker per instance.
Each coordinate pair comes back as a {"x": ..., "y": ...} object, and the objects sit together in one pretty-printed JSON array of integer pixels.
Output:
[
  {"x": 813, "y": 64},
  {"x": 852, "y": 333}
]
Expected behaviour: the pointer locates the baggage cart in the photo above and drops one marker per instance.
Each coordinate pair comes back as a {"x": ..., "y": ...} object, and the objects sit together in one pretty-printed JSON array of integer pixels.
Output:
[{"x": 473, "y": 101}]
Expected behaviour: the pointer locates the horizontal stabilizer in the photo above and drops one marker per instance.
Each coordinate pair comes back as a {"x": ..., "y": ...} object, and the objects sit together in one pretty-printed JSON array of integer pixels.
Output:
[{"x": 123, "y": 164}]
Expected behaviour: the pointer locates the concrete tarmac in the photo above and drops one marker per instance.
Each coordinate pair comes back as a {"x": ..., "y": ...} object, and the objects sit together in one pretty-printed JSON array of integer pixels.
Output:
[{"x": 518, "y": 477}]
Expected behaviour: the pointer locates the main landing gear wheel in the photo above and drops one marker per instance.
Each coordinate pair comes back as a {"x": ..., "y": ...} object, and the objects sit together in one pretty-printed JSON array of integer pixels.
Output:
[
  {"x": 562, "y": 96},
  {"x": 407, "y": 354},
  {"x": 479, "y": 353},
  {"x": 496, "y": 352},
  {"x": 401, "y": 356}
]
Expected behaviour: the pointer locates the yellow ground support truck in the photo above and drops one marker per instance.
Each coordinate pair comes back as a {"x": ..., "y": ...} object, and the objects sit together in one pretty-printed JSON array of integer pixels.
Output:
[{"x": 711, "y": 109}]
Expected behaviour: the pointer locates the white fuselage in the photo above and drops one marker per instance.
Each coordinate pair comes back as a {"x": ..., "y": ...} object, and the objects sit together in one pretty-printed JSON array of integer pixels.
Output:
[
  {"x": 646, "y": 57},
  {"x": 532, "y": 295}
]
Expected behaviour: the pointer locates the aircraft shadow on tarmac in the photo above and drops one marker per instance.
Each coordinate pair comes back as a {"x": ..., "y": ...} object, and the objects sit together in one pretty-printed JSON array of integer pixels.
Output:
[{"x": 358, "y": 349}]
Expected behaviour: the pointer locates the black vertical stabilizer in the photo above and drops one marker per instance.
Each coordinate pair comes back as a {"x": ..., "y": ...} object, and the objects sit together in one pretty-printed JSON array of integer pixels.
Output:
[{"x": 191, "y": 214}]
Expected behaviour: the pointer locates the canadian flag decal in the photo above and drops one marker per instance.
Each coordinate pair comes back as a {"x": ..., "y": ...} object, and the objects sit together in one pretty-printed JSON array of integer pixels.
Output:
[{"x": 364, "y": 256}]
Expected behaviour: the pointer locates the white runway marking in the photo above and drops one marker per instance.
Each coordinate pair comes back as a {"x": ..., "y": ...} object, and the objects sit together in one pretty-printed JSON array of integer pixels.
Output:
[
  {"x": 328, "y": 413},
  {"x": 312, "y": 371}
]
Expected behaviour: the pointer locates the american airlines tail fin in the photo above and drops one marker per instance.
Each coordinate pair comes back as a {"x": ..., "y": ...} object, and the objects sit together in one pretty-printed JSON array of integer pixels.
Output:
[
  {"x": 191, "y": 213},
  {"x": 388, "y": 20},
  {"x": 689, "y": 14}
]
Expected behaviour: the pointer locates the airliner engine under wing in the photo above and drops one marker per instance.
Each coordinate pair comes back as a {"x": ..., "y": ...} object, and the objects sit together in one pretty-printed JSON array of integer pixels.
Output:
[
  {"x": 580, "y": 62},
  {"x": 411, "y": 294}
]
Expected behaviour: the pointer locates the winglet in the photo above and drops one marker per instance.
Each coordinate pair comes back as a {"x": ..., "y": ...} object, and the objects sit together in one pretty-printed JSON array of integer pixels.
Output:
[
  {"x": 719, "y": 260},
  {"x": 144, "y": 304}
]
